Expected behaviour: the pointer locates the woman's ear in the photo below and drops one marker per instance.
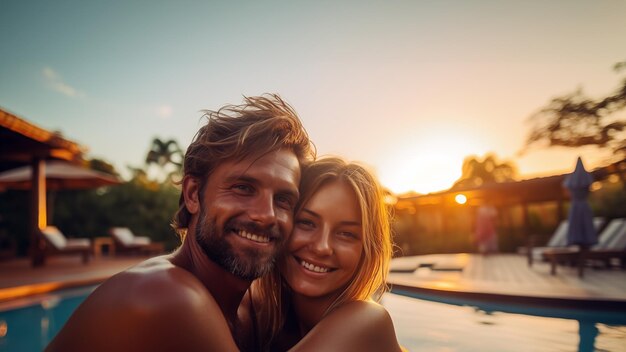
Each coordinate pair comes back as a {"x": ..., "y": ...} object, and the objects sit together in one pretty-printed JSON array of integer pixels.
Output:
[{"x": 191, "y": 194}]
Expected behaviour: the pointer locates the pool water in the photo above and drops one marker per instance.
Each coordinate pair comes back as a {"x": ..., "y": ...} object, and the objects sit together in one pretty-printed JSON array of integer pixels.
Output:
[
  {"x": 421, "y": 325},
  {"x": 30, "y": 324},
  {"x": 427, "y": 325}
]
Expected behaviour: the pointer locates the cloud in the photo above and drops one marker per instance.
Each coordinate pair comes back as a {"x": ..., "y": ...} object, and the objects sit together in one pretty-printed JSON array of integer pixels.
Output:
[
  {"x": 164, "y": 111},
  {"x": 55, "y": 81}
]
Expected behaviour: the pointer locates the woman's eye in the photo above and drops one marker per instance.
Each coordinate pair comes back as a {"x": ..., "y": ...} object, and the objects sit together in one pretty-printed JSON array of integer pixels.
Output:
[
  {"x": 348, "y": 234},
  {"x": 306, "y": 224}
]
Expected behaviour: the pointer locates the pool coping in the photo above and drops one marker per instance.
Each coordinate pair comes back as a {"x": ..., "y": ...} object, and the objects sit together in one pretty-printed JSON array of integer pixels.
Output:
[
  {"x": 606, "y": 304},
  {"x": 11, "y": 293}
]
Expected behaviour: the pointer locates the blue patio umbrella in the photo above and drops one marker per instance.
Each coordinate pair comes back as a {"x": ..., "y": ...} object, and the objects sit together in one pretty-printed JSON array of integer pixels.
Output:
[{"x": 581, "y": 230}]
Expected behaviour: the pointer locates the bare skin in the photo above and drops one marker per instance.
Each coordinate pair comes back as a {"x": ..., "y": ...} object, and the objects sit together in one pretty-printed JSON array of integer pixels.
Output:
[
  {"x": 325, "y": 248},
  {"x": 354, "y": 326},
  {"x": 186, "y": 301}
]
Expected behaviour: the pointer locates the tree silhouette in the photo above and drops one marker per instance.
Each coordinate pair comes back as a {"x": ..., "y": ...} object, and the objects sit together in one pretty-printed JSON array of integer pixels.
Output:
[
  {"x": 477, "y": 172},
  {"x": 574, "y": 120},
  {"x": 164, "y": 154},
  {"x": 102, "y": 166}
]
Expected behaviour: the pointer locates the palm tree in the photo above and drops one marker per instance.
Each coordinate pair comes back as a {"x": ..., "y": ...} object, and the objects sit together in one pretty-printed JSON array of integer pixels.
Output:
[{"x": 165, "y": 153}]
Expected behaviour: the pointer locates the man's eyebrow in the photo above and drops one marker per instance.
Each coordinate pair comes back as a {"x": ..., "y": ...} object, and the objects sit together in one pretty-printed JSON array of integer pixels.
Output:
[
  {"x": 290, "y": 191},
  {"x": 241, "y": 178}
]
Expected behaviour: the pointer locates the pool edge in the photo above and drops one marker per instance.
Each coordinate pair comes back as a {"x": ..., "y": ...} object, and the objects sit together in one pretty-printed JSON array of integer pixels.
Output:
[
  {"x": 538, "y": 301},
  {"x": 11, "y": 293}
]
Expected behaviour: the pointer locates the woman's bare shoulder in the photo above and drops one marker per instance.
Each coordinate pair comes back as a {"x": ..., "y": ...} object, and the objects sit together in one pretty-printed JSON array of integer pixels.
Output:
[{"x": 354, "y": 326}]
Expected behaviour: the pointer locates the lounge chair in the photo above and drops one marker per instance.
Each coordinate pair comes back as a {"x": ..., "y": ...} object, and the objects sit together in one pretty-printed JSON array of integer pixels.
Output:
[
  {"x": 611, "y": 244},
  {"x": 126, "y": 241},
  {"x": 558, "y": 240},
  {"x": 58, "y": 244}
]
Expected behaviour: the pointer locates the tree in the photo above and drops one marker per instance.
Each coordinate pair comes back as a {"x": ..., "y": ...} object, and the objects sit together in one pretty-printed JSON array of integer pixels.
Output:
[
  {"x": 574, "y": 120},
  {"x": 165, "y": 153},
  {"x": 102, "y": 166},
  {"x": 477, "y": 172}
]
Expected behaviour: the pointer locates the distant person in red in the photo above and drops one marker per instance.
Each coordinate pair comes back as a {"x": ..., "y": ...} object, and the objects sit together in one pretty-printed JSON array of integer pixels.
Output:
[{"x": 486, "y": 236}]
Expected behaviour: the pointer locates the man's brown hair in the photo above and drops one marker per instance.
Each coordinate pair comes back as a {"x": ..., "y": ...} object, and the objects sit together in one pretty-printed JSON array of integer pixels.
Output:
[{"x": 260, "y": 125}]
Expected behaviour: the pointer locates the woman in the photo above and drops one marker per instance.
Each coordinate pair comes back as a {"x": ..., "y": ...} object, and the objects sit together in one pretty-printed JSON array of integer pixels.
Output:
[{"x": 320, "y": 297}]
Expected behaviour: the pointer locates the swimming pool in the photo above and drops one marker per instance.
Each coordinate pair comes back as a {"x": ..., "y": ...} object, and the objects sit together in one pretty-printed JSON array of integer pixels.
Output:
[
  {"x": 29, "y": 324},
  {"x": 430, "y": 323},
  {"x": 421, "y": 325}
]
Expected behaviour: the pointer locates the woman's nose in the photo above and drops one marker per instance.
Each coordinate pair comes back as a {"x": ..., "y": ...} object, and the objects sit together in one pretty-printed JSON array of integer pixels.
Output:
[{"x": 322, "y": 243}]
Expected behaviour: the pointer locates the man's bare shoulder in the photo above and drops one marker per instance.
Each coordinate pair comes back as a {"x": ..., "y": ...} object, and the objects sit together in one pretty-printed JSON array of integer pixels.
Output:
[
  {"x": 153, "y": 284},
  {"x": 364, "y": 326},
  {"x": 143, "y": 308},
  {"x": 157, "y": 273}
]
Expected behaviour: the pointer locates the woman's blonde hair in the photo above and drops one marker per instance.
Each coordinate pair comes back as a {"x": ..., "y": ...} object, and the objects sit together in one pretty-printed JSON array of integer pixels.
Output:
[{"x": 369, "y": 281}]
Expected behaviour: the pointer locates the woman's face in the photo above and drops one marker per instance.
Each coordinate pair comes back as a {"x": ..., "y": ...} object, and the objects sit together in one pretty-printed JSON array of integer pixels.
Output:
[{"x": 326, "y": 243}]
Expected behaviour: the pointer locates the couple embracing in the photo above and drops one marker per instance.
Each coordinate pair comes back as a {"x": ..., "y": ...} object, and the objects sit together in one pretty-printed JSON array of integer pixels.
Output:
[{"x": 279, "y": 252}]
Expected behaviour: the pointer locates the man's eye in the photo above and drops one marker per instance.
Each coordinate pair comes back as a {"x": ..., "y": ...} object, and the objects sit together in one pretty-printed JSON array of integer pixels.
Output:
[
  {"x": 285, "y": 202},
  {"x": 243, "y": 189}
]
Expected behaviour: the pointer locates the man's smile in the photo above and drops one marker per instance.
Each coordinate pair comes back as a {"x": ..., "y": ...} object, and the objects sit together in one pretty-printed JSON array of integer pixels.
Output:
[{"x": 260, "y": 238}]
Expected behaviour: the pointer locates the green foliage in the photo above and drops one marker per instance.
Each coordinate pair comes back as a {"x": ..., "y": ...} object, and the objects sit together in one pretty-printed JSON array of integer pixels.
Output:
[
  {"x": 168, "y": 156},
  {"x": 609, "y": 201},
  {"x": 144, "y": 206},
  {"x": 146, "y": 209},
  {"x": 14, "y": 210},
  {"x": 102, "y": 166},
  {"x": 165, "y": 152}
]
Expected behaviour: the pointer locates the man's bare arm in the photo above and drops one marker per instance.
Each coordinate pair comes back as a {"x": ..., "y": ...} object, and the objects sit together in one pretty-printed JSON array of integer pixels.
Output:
[{"x": 167, "y": 310}]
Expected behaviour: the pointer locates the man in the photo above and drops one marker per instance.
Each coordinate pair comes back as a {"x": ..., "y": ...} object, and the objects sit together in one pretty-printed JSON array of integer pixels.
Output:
[{"x": 240, "y": 185}]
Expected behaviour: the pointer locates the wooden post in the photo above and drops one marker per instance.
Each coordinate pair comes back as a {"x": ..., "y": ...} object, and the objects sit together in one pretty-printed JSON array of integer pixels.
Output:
[
  {"x": 38, "y": 212},
  {"x": 582, "y": 258},
  {"x": 529, "y": 237}
]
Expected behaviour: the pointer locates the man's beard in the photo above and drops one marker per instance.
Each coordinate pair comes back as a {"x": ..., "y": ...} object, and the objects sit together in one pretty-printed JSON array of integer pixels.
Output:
[{"x": 247, "y": 266}]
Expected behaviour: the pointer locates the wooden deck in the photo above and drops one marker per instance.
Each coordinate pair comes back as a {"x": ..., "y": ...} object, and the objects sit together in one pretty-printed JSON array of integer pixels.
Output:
[
  {"x": 495, "y": 277},
  {"x": 19, "y": 279},
  {"x": 507, "y": 277}
]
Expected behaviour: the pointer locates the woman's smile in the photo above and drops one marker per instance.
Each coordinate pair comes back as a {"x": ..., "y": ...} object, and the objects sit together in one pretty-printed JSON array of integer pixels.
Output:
[{"x": 325, "y": 245}]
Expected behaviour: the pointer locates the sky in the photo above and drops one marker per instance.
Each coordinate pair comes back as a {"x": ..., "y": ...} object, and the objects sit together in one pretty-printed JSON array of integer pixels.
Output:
[{"x": 408, "y": 88}]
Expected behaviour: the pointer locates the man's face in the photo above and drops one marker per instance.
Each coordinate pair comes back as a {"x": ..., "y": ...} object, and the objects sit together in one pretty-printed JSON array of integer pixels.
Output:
[{"x": 246, "y": 212}]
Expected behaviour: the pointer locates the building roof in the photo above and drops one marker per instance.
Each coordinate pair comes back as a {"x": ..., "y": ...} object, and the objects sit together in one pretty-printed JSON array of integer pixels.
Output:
[
  {"x": 540, "y": 189},
  {"x": 21, "y": 141}
]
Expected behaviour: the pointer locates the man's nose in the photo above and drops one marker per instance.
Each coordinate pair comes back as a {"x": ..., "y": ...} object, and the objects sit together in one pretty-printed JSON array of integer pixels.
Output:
[{"x": 262, "y": 210}]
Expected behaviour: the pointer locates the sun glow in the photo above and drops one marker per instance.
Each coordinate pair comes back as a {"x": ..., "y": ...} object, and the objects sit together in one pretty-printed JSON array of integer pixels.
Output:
[{"x": 429, "y": 164}]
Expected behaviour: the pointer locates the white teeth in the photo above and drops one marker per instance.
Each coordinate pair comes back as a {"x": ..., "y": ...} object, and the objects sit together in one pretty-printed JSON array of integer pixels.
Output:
[
  {"x": 253, "y": 237},
  {"x": 313, "y": 267}
]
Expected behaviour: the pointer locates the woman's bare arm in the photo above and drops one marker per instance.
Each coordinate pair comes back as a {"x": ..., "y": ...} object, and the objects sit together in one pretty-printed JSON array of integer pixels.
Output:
[{"x": 355, "y": 326}]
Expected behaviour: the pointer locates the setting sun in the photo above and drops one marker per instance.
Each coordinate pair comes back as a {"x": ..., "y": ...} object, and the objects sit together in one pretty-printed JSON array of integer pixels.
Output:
[{"x": 432, "y": 162}]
